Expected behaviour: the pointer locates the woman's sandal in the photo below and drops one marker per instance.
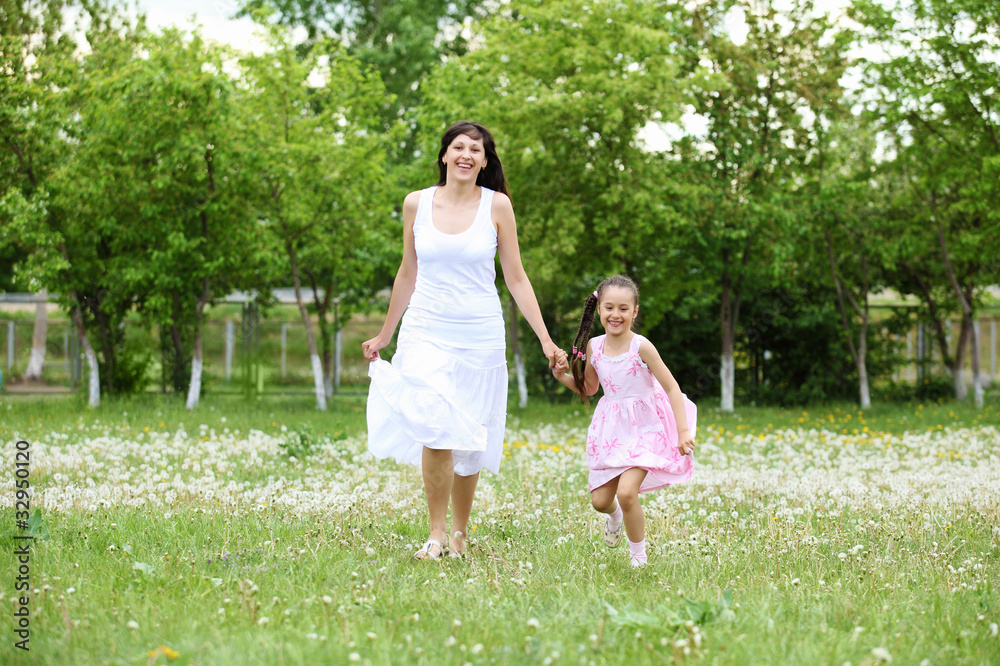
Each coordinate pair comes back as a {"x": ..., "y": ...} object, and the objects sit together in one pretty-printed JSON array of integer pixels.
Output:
[
  {"x": 426, "y": 551},
  {"x": 613, "y": 535},
  {"x": 455, "y": 553}
]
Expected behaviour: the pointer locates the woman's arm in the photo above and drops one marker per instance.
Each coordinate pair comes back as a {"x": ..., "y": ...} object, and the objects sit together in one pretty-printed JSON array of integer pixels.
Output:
[
  {"x": 514, "y": 275},
  {"x": 402, "y": 286},
  {"x": 649, "y": 356}
]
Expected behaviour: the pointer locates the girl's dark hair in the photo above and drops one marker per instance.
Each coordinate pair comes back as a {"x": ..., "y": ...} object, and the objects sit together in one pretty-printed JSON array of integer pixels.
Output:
[
  {"x": 492, "y": 176},
  {"x": 579, "y": 367}
]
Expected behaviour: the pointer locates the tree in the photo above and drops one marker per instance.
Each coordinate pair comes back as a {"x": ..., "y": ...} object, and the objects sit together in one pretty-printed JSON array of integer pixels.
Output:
[
  {"x": 404, "y": 39},
  {"x": 851, "y": 225},
  {"x": 322, "y": 166},
  {"x": 176, "y": 185},
  {"x": 937, "y": 90},
  {"x": 786, "y": 72}
]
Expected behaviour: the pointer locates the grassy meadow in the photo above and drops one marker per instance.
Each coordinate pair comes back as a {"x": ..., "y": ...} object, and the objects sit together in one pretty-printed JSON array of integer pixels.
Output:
[{"x": 264, "y": 533}]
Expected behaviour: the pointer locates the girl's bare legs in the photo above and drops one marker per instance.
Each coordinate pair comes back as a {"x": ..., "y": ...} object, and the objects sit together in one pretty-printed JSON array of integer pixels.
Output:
[
  {"x": 439, "y": 476},
  {"x": 463, "y": 491},
  {"x": 603, "y": 497},
  {"x": 628, "y": 498}
]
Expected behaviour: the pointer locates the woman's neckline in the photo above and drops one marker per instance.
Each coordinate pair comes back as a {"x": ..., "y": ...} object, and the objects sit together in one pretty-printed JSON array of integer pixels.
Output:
[{"x": 474, "y": 217}]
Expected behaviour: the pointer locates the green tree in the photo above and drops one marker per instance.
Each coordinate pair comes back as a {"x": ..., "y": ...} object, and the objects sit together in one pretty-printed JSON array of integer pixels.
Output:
[
  {"x": 785, "y": 74},
  {"x": 852, "y": 227},
  {"x": 937, "y": 90},
  {"x": 324, "y": 201},
  {"x": 404, "y": 39}
]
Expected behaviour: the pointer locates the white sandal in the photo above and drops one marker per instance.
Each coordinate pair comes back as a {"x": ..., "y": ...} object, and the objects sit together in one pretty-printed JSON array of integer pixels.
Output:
[
  {"x": 426, "y": 550},
  {"x": 613, "y": 535}
]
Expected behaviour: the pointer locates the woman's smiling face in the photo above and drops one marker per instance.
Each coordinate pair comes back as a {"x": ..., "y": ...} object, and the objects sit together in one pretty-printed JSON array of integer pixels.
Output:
[{"x": 465, "y": 157}]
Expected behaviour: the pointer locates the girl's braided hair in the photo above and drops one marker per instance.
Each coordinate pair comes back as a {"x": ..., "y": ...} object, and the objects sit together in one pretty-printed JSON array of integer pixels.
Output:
[{"x": 578, "y": 365}]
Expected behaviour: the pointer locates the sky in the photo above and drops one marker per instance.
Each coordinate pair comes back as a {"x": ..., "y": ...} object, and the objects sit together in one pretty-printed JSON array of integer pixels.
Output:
[{"x": 214, "y": 16}]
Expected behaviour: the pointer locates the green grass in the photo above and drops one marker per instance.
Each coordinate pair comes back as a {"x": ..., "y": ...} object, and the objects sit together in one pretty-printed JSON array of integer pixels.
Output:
[{"x": 824, "y": 586}]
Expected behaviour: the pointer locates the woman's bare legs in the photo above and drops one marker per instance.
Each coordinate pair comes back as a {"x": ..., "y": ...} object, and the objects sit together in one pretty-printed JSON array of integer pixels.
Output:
[
  {"x": 463, "y": 491},
  {"x": 439, "y": 477}
]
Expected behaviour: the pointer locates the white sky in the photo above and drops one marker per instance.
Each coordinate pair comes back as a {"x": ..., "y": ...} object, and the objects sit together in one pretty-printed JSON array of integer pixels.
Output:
[{"x": 214, "y": 18}]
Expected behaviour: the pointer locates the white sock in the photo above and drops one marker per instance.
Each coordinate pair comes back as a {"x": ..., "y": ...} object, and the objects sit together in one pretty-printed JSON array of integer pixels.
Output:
[
  {"x": 616, "y": 516},
  {"x": 638, "y": 550}
]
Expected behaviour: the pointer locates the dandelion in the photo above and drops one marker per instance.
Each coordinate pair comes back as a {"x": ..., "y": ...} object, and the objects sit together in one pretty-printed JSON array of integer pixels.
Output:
[
  {"x": 132, "y": 624},
  {"x": 882, "y": 655},
  {"x": 533, "y": 623},
  {"x": 262, "y": 621},
  {"x": 354, "y": 657}
]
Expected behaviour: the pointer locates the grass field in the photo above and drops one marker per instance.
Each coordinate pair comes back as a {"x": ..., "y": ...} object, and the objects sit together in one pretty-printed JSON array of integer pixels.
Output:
[{"x": 264, "y": 533}]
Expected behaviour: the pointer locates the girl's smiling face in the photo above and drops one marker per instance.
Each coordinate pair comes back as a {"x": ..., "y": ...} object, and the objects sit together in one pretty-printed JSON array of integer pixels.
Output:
[
  {"x": 465, "y": 157},
  {"x": 618, "y": 310}
]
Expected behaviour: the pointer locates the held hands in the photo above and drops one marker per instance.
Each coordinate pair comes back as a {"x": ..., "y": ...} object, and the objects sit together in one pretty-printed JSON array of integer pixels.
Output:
[
  {"x": 685, "y": 442},
  {"x": 558, "y": 362},
  {"x": 370, "y": 348}
]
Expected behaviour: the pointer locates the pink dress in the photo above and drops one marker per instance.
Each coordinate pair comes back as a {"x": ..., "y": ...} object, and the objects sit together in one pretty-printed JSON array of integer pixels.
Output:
[{"x": 633, "y": 425}]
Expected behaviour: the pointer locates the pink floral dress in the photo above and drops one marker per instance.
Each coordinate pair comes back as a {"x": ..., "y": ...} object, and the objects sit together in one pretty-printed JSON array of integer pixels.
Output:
[{"x": 633, "y": 425}]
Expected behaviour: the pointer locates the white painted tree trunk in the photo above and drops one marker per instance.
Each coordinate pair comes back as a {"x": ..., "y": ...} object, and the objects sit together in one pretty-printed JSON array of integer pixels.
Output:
[
  {"x": 94, "y": 396},
  {"x": 866, "y": 398},
  {"x": 522, "y": 385},
  {"x": 37, "y": 361},
  {"x": 94, "y": 386},
  {"x": 977, "y": 378},
  {"x": 194, "y": 389},
  {"x": 317, "y": 367},
  {"x": 958, "y": 376},
  {"x": 728, "y": 382}
]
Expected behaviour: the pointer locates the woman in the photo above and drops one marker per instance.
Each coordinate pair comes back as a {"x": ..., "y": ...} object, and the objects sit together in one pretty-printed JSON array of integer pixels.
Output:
[{"x": 442, "y": 401}]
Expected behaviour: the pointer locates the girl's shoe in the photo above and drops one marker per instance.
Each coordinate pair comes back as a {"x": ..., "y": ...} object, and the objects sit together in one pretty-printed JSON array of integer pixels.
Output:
[
  {"x": 613, "y": 533},
  {"x": 425, "y": 553}
]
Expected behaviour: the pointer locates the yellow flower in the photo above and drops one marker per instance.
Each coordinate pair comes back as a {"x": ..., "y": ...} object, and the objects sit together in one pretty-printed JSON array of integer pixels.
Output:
[{"x": 164, "y": 651}]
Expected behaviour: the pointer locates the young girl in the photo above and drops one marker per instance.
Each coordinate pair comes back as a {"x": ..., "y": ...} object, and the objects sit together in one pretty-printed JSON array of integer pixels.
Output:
[{"x": 642, "y": 434}]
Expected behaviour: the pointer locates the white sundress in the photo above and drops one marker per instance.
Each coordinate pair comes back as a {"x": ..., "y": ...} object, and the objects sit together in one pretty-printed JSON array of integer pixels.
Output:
[{"x": 446, "y": 387}]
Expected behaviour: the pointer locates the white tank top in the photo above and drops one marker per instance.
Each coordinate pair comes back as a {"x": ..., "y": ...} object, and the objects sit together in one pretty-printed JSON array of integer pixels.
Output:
[{"x": 455, "y": 301}]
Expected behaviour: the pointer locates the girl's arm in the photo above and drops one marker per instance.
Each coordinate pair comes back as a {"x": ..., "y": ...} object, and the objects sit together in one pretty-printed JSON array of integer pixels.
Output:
[
  {"x": 402, "y": 286},
  {"x": 649, "y": 356},
  {"x": 590, "y": 380},
  {"x": 514, "y": 275}
]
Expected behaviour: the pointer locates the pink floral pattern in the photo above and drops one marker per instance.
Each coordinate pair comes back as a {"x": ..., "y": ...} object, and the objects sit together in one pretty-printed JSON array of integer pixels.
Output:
[{"x": 633, "y": 424}]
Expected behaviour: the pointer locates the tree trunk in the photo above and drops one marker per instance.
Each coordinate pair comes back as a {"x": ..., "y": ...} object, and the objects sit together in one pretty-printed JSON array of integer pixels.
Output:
[
  {"x": 866, "y": 399},
  {"x": 94, "y": 385},
  {"x": 317, "y": 365},
  {"x": 968, "y": 321},
  {"x": 37, "y": 361},
  {"x": 522, "y": 386},
  {"x": 860, "y": 352},
  {"x": 194, "y": 389},
  {"x": 107, "y": 345},
  {"x": 728, "y": 312},
  {"x": 957, "y": 366},
  {"x": 977, "y": 378}
]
